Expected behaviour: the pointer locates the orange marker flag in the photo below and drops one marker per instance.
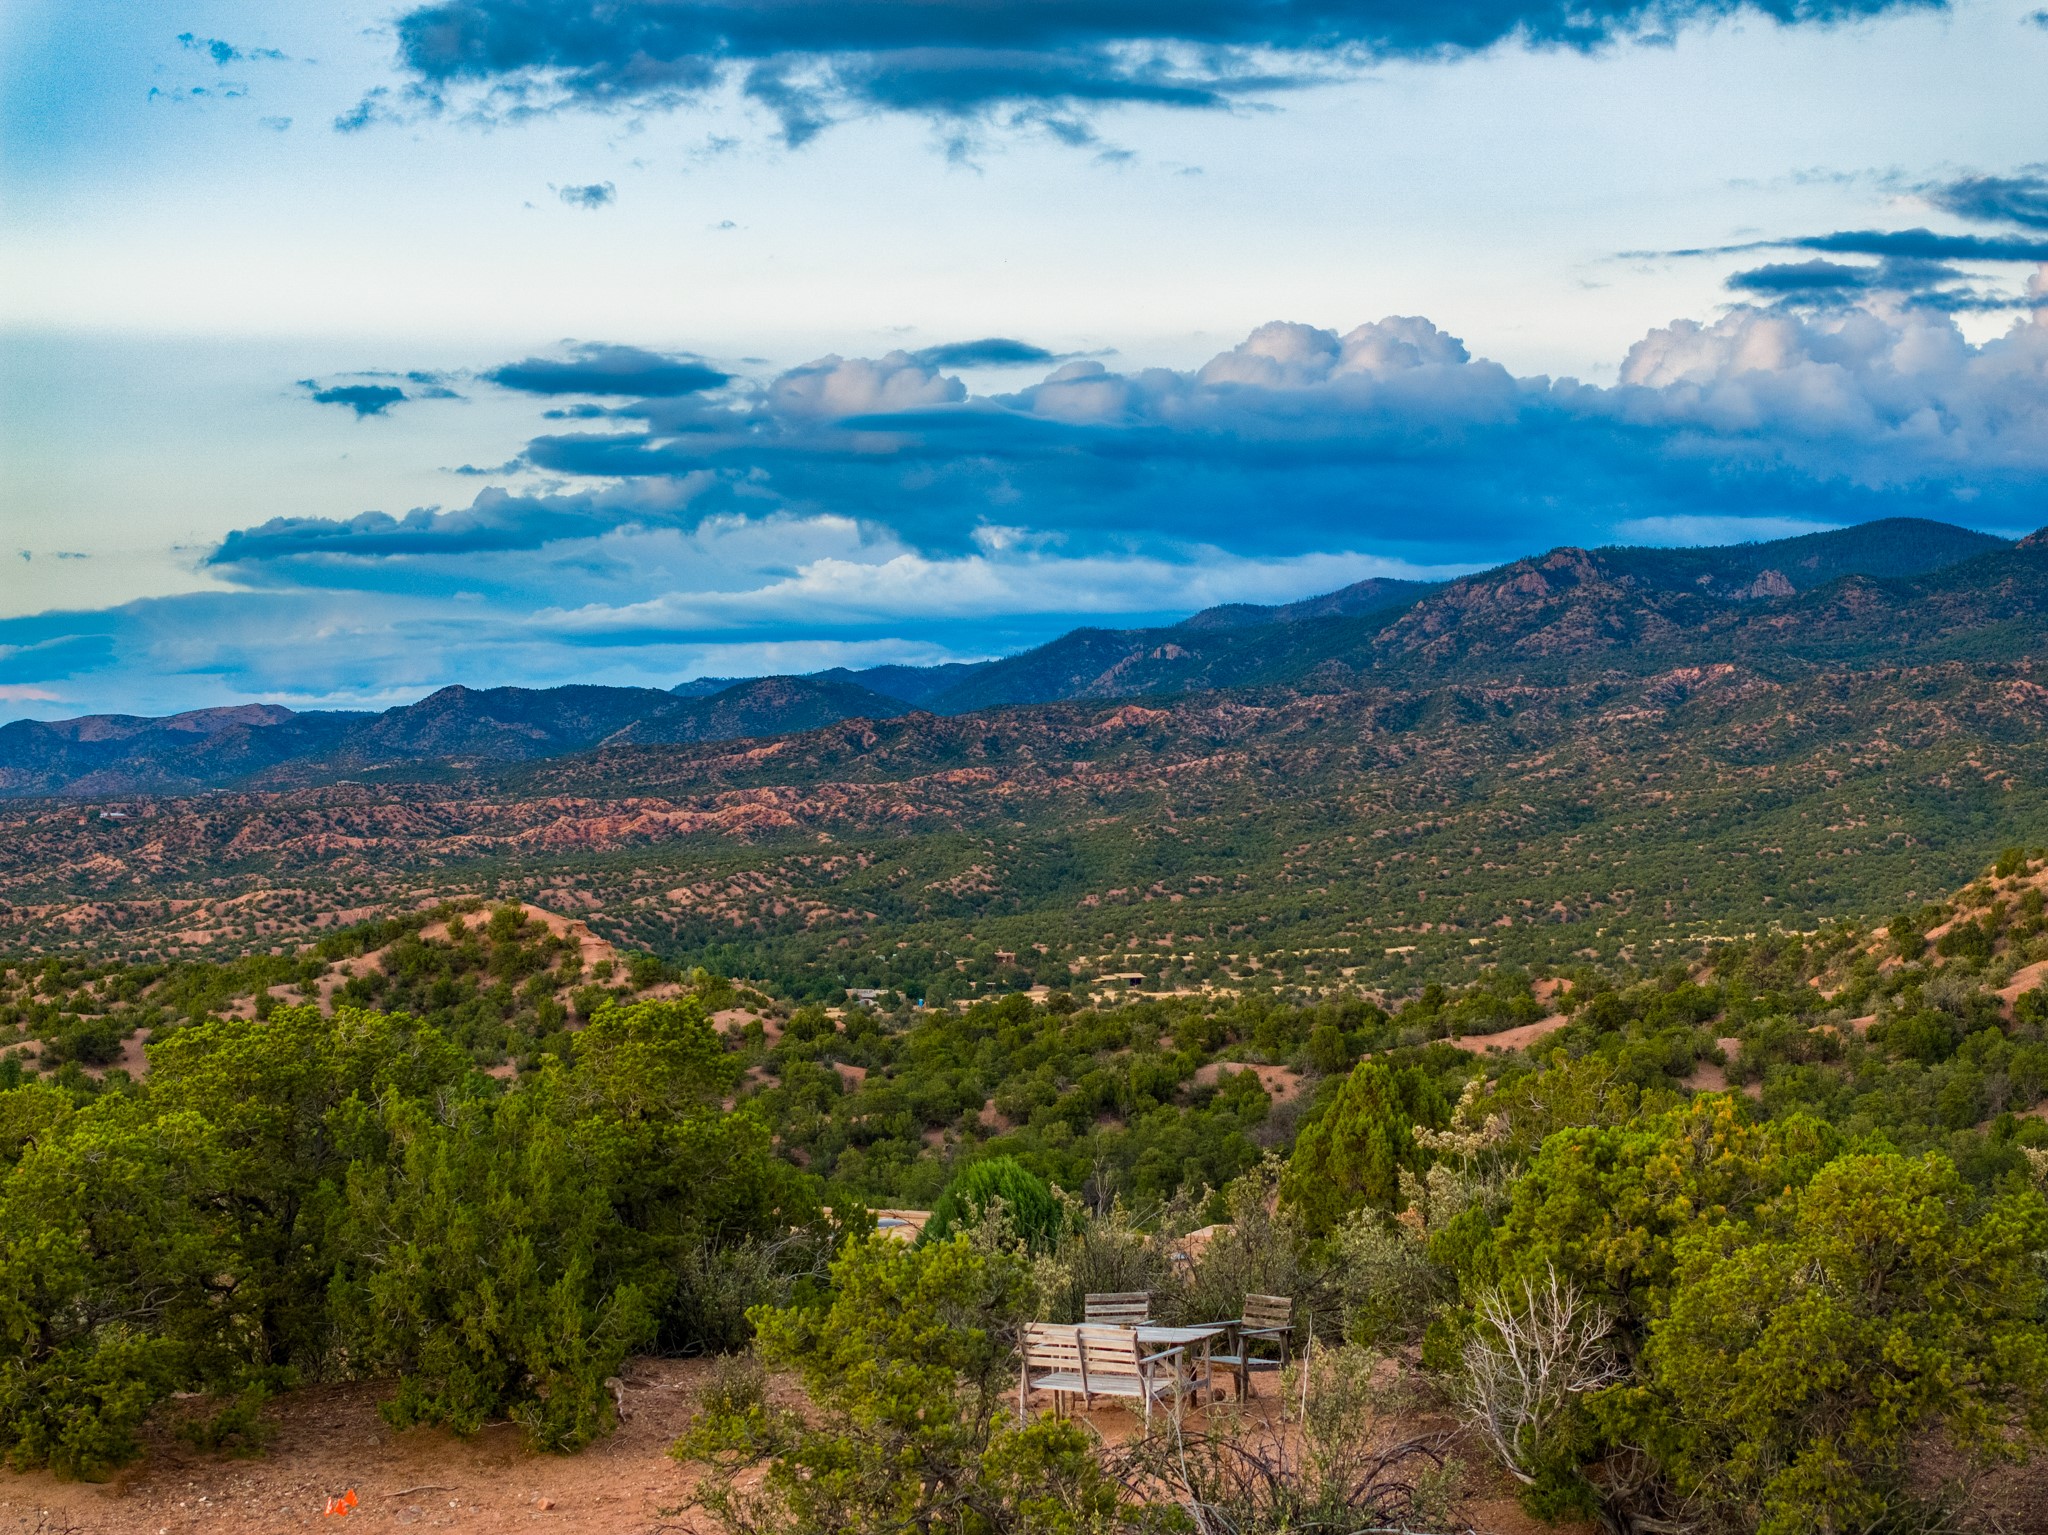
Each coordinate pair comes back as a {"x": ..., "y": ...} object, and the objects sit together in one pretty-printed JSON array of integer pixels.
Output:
[{"x": 338, "y": 1508}]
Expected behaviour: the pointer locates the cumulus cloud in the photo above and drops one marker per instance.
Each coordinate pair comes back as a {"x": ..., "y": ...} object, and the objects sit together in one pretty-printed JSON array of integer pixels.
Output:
[
  {"x": 1388, "y": 436},
  {"x": 1283, "y": 355},
  {"x": 807, "y": 60},
  {"x": 878, "y": 499},
  {"x": 836, "y": 590},
  {"x": 600, "y": 369},
  {"x": 833, "y": 388}
]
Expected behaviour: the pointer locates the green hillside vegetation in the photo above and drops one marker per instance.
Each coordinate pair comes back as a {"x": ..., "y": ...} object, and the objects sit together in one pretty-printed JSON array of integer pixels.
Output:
[
  {"x": 1745, "y": 1232},
  {"x": 299, "y": 1196},
  {"x": 491, "y": 980},
  {"x": 1562, "y": 757}
]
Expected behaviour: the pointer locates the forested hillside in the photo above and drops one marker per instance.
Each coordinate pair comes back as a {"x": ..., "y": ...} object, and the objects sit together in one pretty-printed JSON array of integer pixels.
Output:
[
  {"x": 317, "y": 1163},
  {"x": 1583, "y": 992}
]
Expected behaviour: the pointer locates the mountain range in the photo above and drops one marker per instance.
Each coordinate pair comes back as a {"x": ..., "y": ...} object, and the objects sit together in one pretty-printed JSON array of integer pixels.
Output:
[{"x": 1878, "y": 590}]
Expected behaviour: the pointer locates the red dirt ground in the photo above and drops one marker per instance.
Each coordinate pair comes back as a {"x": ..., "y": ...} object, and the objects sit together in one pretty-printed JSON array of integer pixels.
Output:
[
  {"x": 326, "y": 1440},
  {"x": 1517, "y": 1038}
]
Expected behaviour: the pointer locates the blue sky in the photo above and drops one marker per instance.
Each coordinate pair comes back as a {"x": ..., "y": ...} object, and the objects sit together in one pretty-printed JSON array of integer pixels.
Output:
[{"x": 347, "y": 351}]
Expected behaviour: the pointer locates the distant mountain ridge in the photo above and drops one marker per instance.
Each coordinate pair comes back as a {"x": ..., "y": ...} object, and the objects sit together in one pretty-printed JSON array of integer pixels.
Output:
[
  {"x": 1838, "y": 595},
  {"x": 455, "y": 727}
]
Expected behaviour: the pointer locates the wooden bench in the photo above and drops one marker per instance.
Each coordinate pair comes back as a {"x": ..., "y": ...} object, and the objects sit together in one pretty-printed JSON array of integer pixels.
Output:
[
  {"x": 1094, "y": 1361},
  {"x": 1122, "y": 1309},
  {"x": 1268, "y": 1322}
]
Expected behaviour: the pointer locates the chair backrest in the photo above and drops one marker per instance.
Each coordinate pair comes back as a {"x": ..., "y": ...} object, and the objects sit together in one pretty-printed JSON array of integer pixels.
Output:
[
  {"x": 1267, "y": 1311},
  {"x": 1110, "y": 1350},
  {"x": 1051, "y": 1346},
  {"x": 1123, "y": 1309}
]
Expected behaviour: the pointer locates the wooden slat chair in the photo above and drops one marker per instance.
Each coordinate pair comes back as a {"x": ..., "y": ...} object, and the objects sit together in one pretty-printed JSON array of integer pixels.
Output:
[
  {"x": 1051, "y": 1356},
  {"x": 1268, "y": 1322},
  {"x": 1095, "y": 1361},
  {"x": 1122, "y": 1309}
]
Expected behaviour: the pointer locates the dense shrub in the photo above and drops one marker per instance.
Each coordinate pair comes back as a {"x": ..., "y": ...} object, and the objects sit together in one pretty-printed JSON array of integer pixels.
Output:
[
  {"x": 907, "y": 1371},
  {"x": 1805, "y": 1357},
  {"x": 1028, "y": 1206},
  {"x": 1352, "y": 1157},
  {"x": 299, "y": 1196}
]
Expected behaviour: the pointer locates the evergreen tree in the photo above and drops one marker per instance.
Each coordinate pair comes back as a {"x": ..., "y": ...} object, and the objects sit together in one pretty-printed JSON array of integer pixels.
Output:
[{"x": 1353, "y": 1156}]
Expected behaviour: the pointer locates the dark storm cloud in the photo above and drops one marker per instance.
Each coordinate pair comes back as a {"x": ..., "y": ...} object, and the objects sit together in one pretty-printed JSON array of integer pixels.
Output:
[
  {"x": 363, "y": 399},
  {"x": 1933, "y": 284},
  {"x": 1926, "y": 245},
  {"x": 2021, "y": 199},
  {"x": 1804, "y": 277},
  {"x": 989, "y": 352},
  {"x": 1915, "y": 264},
  {"x": 1904, "y": 244},
  {"x": 609, "y": 370},
  {"x": 495, "y": 521},
  {"x": 803, "y": 57}
]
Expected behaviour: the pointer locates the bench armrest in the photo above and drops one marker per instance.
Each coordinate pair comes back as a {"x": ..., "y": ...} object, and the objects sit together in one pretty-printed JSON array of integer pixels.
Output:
[{"x": 1169, "y": 1359}]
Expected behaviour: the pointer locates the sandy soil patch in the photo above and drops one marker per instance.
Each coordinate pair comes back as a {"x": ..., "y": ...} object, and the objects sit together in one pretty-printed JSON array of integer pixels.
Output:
[
  {"x": 2024, "y": 980},
  {"x": 737, "y": 1018},
  {"x": 592, "y": 947},
  {"x": 132, "y": 1059},
  {"x": 328, "y": 1439},
  {"x": 1706, "y": 1077},
  {"x": 1518, "y": 1038},
  {"x": 1196, "y": 1242},
  {"x": 907, "y": 1224},
  {"x": 1280, "y": 1083}
]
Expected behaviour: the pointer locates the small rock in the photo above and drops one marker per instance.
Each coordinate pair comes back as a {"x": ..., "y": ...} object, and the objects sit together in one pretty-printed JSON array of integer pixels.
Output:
[{"x": 545, "y": 1503}]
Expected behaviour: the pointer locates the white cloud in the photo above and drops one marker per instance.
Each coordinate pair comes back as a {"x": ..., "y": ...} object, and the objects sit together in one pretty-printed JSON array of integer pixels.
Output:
[
  {"x": 835, "y": 387},
  {"x": 836, "y": 590},
  {"x": 1689, "y": 531}
]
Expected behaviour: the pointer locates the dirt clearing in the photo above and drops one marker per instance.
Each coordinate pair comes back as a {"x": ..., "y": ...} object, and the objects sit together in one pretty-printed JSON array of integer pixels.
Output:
[{"x": 328, "y": 1439}]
